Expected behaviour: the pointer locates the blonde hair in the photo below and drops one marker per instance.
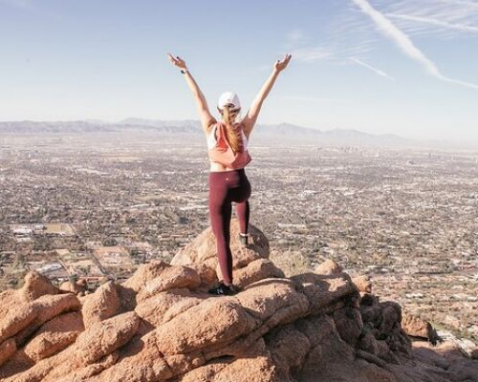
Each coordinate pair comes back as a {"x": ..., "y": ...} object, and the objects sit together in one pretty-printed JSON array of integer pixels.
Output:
[{"x": 235, "y": 140}]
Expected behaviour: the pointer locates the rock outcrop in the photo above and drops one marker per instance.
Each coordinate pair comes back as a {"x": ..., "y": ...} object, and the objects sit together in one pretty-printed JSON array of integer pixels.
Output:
[{"x": 161, "y": 325}]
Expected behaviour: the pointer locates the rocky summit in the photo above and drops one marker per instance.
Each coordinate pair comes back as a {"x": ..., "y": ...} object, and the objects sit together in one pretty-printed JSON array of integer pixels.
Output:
[{"x": 162, "y": 325}]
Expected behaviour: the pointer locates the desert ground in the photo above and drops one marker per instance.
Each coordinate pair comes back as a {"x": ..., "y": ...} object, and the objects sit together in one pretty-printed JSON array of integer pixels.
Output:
[{"x": 100, "y": 204}]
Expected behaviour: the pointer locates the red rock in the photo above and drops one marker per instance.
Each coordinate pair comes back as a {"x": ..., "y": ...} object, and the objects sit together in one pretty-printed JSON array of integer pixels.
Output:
[
  {"x": 363, "y": 284},
  {"x": 202, "y": 250},
  {"x": 71, "y": 286},
  {"x": 144, "y": 274},
  {"x": 100, "y": 305},
  {"x": 164, "y": 306},
  {"x": 55, "y": 335},
  {"x": 323, "y": 290},
  {"x": 256, "y": 270},
  {"x": 106, "y": 336},
  {"x": 195, "y": 330},
  {"x": 273, "y": 300},
  {"x": 7, "y": 349},
  {"x": 369, "y": 344},
  {"x": 37, "y": 285},
  {"x": 153, "y": 278},
  {"x": 348, "y": 322},
  {"x": 259, "y": 369},
  {"x": 328, "y": 267},
  {"x": 89, "y": 371},
  {"x": 47, "y": 307},
  {"x": 16, "y": 365},
  {"x": 207, "y": 275},
  {"x": 172, "y": 277},
  {"x": 160, "y": 326},
  {"x": 17, "y": 318},
  {"x": 416, "y": 327},
  {"x": 289, "y": 348}
]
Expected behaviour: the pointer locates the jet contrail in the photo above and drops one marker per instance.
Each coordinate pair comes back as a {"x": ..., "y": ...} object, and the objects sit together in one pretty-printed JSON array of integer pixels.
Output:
[
  {"x": 368, "y": 66},
  {"x": 460, "y": 2},
  {"x": 405, "y": 43},
  {"x": 439, "y": 23}
]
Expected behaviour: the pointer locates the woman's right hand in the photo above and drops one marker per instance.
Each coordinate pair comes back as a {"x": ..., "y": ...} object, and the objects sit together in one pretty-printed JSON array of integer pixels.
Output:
[
  {"x": 279, "y": 65},
  {"x": 177, "y": 62}
]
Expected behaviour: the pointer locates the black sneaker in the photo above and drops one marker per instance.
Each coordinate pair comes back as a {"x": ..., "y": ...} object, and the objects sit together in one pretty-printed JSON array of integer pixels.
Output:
[
  {"x": 244, "y": 239},
  {"x": 223, "y": 290}
]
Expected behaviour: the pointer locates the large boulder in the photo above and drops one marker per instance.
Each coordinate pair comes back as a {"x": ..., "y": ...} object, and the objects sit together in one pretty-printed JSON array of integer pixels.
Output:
[
  {"x": 46, "y": 308},
  {"x": 416, "y": 327},
  {"x": 155, "y": 277},
  {"x": 202, "y": 250},
  {"x": 37, "y": 285},
  {"x": 161, "y": 325},
  {"x": 16, "y": 318},
  {"x": 101, "y": 305},
  {"x": 54, "y": 336}
]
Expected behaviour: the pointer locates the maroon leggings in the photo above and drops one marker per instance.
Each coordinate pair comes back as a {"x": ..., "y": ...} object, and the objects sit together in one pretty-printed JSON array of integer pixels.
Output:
[{"x": 226, "y": 187}]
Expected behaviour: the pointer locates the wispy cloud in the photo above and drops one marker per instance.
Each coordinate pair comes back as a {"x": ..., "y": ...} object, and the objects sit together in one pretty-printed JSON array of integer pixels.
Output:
[
  {"x": 340, "y": 43},
  {"x": 312, "y": 54},
  {"x": 404, "y": 42},
  {"x": 312, "y": 99},
  {"x": 298, "y": 43},
  {"x": 295, "y": 37},
  {"x": 372, "y": 68},
  {"x": 439, "y": 23},
  {"x": 445, "y": 19},
  {"x": 461, "y": 2}
]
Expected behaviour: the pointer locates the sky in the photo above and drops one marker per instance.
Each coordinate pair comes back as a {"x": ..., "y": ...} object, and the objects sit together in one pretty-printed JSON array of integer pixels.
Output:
[{"x": 405, "y": 67}]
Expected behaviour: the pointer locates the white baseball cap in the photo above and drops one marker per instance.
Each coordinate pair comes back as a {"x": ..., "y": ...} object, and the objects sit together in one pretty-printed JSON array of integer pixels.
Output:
[{"x": 228, "y": 98}]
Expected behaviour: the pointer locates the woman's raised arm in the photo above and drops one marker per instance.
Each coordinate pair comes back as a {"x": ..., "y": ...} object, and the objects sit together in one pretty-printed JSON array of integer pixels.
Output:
[
  {"x": 251, "y": 117},
  {"x": 207, "y": 120}
]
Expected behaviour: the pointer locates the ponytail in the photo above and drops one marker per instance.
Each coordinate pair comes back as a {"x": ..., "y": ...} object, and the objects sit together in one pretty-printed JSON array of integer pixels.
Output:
[{"x": 235, "y": 140}]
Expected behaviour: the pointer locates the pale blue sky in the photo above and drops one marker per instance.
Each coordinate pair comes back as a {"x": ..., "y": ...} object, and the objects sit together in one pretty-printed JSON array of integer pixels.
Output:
[{"x": 407, "y": 67}]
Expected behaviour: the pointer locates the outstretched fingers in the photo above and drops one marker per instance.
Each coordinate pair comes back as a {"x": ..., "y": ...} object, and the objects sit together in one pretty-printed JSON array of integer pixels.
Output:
[
  {"x": 281, "y": 65},
  {"x": 177, "y": 61},
  {"x": 171, "y": 58},
  {"x": 286, "y": 59}
]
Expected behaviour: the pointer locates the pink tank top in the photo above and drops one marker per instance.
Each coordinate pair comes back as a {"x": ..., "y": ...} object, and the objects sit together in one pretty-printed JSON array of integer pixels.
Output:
[{"x": 221, "y": 152}]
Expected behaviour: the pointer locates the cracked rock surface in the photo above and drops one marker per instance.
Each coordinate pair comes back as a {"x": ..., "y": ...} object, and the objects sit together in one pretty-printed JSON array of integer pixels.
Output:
[{"x": 161, "y": 325}]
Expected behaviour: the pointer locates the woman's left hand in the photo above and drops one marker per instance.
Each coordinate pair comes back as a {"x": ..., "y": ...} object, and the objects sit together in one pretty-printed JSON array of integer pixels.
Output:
[{"x": 281, "y": 65}]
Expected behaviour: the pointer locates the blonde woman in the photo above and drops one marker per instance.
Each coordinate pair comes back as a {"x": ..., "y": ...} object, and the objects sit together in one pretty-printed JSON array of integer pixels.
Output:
[{"x": 228, "y": 154}]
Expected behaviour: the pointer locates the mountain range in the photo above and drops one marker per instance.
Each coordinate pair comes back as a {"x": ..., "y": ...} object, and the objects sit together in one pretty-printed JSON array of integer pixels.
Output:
[{"x": 270, "y": 133}]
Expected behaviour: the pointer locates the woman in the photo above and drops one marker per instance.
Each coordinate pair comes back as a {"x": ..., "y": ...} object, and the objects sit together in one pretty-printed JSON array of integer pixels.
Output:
[{"x": 227, "y": 148}]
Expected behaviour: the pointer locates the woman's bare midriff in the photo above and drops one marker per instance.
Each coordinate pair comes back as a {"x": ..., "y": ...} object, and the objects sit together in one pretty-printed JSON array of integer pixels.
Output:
[{"x": 217, "y": 167}]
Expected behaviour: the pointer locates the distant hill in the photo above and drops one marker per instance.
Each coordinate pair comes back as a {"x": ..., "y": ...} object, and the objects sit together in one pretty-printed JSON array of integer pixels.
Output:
[
  {"x": 334, "y": 136},
  {"x": 95, "y": 126},
  {"x": 171, "y": 127},
  {"x": 22, "y": 127},
  {"x": 262, "y": 133}
]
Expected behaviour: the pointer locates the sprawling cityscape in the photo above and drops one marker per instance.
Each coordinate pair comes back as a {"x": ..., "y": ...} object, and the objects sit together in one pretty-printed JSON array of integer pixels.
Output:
[{"x": 96, "y": 205}]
